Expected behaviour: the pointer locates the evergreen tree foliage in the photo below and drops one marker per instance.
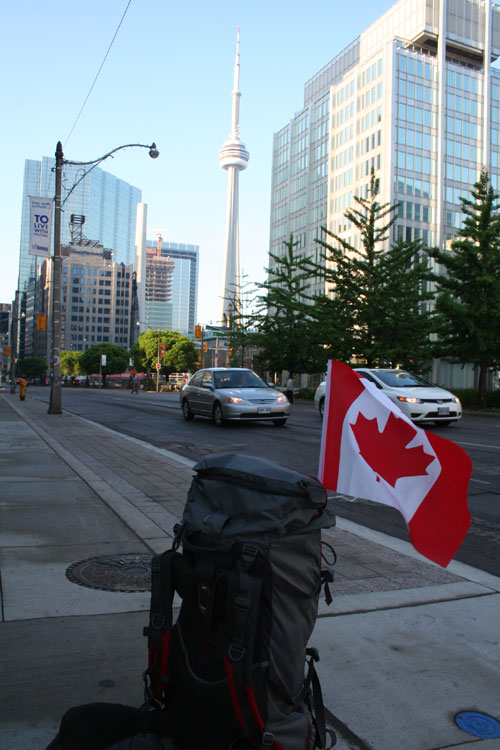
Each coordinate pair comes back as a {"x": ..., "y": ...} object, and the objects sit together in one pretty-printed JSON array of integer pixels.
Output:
[
  {"x": 240, "y": 333},
  {"x": 285, "y": 328},
  {"x": 468, "y": 292},
  {"x": 374, "y": 313},
  {"x": 404, "y": 329}
]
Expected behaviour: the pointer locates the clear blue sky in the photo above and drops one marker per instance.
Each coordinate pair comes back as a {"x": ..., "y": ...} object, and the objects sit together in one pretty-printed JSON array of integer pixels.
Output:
[{"x": 168, "y": 78}]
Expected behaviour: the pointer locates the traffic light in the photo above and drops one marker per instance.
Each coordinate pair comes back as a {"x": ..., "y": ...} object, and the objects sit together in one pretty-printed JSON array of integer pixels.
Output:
[
  {"x": 163, "y": 350},
  {"x": 6, "y": 351},
  {"x": 205, "y": 346},
  {"x": 41, "y": 322},
  {"x": 197, "y": 332}
]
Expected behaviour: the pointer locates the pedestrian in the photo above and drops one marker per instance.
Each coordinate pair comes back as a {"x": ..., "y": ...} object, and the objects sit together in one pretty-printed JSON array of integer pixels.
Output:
[
  {"x": 135, "y": 384},
  {"x": 289, "y": 388}
]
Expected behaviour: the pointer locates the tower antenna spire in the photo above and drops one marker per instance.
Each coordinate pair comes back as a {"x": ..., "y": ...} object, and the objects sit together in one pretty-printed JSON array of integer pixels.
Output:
[
  {"x": 236, "y": 94},
  {"x": 233, "y": 157}
]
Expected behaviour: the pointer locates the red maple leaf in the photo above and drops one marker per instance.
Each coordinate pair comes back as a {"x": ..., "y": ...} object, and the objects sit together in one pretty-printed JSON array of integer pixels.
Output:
[{"x": 386, "y": 452}]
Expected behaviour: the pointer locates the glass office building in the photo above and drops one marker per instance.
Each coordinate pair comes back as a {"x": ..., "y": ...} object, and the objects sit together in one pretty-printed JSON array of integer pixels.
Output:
[
  {"x": 108, "y": 204},
  {"x": 171, "y": 286},
  {"x": 415, "y": 97}
]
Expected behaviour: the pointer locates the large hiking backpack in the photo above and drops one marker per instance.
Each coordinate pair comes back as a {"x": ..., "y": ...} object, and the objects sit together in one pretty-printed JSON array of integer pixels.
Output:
[{"x": 230, "y": 671}]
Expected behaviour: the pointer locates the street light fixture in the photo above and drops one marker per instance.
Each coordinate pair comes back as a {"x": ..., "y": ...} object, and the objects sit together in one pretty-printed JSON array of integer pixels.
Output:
[{"x": 55, "y": 404}]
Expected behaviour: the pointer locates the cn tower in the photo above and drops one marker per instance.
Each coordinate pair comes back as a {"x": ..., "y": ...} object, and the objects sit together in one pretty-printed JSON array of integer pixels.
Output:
[{"x": 233, "y": 157}]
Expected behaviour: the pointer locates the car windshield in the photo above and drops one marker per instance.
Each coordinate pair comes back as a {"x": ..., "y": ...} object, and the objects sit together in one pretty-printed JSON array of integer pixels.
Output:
[
  {"x": 238, "y": 379},
  {"x": 401, "y": 379}
]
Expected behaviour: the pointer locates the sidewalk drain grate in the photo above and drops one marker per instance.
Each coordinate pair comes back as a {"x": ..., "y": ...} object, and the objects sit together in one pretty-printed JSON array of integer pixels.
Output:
[
  {"x": 477, "y": 724},
  {"x": 125, "y": 573}
]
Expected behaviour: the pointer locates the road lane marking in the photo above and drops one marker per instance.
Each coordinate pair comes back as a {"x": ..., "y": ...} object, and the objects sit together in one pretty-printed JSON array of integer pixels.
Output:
[{"x": 478, "y": 445}]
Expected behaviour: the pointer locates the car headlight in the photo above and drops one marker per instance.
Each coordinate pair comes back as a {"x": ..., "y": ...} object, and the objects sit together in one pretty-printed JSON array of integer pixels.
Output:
[
  {"x": 282, "y": 399},
  {"x": 234, "y": 400},
  {"x": 457, "y": 399},
  {"x": 410, "y": 399}
]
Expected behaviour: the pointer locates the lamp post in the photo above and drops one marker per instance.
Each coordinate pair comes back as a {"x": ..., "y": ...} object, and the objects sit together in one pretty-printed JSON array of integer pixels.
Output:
[
  {"x": 55, "y": 404},
  {"x": 16, "y": 317}
]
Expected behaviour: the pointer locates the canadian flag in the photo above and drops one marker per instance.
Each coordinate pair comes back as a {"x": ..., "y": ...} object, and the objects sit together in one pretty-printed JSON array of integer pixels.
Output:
[{"x": 371, "y": 450}]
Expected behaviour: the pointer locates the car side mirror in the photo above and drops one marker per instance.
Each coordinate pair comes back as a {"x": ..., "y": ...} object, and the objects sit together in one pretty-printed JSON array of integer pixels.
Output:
[{"x": 208, "y": 386}]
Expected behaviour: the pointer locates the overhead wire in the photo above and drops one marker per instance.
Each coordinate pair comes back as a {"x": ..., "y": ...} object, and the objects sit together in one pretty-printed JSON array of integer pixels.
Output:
[{"x": 98, "y": 73}]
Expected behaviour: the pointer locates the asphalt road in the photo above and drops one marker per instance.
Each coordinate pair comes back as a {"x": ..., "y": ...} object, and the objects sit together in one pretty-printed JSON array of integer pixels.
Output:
[{"x": 157, "y": 419}]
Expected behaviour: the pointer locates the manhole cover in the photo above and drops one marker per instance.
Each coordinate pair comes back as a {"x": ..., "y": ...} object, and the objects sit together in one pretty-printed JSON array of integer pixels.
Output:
[
  {"x": 125, "y": 573},
  {"x": 477, "y": 724}
]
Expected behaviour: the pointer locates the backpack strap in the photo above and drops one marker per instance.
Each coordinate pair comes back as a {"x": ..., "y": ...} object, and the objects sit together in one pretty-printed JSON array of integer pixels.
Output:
[
  {"x": 312, "y": 688},
  {"x": 160, "y": 625},
  {"x": 238, "y": 660}
]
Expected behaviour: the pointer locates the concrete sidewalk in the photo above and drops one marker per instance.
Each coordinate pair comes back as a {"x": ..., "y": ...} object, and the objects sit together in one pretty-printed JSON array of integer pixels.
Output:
[{"x": 404, "y": 647}]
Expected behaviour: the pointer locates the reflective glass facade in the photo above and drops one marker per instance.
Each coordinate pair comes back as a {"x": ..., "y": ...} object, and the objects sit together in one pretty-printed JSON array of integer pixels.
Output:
[
  {"x": 422, "y": 112},
  {"x": 414, "y": 98},
  {"x": 108, "y": 204},
  {"x": 180, "y": 311}
]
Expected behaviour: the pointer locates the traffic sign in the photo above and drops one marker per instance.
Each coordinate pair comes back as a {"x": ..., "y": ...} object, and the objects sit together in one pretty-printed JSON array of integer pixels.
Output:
[{"x": 158, "y": 365}]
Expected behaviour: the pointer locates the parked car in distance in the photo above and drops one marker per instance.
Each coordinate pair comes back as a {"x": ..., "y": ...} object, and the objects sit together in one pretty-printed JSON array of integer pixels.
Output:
[
  {"x": 419, "y": 399},
  {"x": 232, "y": 394}
]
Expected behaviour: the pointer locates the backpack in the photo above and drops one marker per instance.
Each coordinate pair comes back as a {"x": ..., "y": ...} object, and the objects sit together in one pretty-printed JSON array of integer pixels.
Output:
[{"x": 230, "y": 671}]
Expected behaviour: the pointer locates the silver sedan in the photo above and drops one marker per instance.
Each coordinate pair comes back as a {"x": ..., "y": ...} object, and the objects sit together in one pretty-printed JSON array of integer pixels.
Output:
[{"x": 232, "y": 394}]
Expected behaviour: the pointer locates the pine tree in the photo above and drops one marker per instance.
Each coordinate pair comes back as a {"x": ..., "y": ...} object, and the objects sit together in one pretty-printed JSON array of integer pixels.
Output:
[
  {"x": 376, "y": 294},
  {"x": 468, "y": 293},
  {"x": 283, "y": 318}
]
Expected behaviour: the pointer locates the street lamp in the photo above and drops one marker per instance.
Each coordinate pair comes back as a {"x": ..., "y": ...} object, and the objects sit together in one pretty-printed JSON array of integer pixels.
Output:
[
  {"x": 17, "y": 316},
  {"x": 55, "y": 405}
]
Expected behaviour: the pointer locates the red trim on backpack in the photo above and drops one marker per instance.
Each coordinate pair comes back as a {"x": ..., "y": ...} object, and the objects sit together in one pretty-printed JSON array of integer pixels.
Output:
[
  {"x": 253, "y": 706},
  {"x": 232, "y": 692},
  {"x": 249, "y": 694},
  {"x": 165, "y": 640}
]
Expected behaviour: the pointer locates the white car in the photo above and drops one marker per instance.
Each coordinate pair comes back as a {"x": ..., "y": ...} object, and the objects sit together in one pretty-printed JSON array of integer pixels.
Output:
[{"x": 420, "y": 400}]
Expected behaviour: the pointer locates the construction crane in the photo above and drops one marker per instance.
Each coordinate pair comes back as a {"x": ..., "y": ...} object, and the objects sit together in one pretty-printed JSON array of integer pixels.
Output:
[{"x": 159, "y": 239}]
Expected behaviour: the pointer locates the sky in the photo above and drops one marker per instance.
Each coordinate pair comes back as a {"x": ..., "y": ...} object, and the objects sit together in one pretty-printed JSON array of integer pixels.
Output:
[{"x": 167, "y": 78}]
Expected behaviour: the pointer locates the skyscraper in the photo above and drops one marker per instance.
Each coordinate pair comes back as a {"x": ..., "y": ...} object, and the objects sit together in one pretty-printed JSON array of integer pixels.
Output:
[
  {"x": 171, "y": 289},
  {"x": 108, "y": 204},
  {"x": 415, "y": 98},
  {"x": 233, "y": 157}
]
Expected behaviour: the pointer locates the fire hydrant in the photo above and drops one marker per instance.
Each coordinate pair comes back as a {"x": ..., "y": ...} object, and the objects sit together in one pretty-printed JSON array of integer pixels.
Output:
[{"x": 22, "y": 389}]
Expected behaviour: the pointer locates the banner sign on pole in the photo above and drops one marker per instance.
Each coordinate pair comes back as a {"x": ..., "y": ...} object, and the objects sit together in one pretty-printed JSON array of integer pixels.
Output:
[{"x": 40, "y": 225}]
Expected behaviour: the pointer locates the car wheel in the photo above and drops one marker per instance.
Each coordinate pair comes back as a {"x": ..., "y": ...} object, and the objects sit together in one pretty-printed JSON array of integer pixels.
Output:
[
  {"x": 217, "y": 415},
  {"x": 322, "y": 408},
  {"x": 443, "y": 422},
  {"x": 280, "y": 422},
  {"x": 186, "y": 411}
]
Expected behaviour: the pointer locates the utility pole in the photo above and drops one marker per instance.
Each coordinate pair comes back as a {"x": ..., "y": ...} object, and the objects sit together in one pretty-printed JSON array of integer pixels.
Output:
[
  {"x": 55, "y": 405},
  {"x": 13, "y": 344}
]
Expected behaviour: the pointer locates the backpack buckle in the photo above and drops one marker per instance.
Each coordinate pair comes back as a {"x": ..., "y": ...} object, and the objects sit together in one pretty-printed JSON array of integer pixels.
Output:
[
  {"x": 242, "y": 603},
  {"x": 249, "y": 552},
  {"x": 235, "y": 653},
  {"x": 268, "y": 739},
  {"x": 157, "y": 621}
]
